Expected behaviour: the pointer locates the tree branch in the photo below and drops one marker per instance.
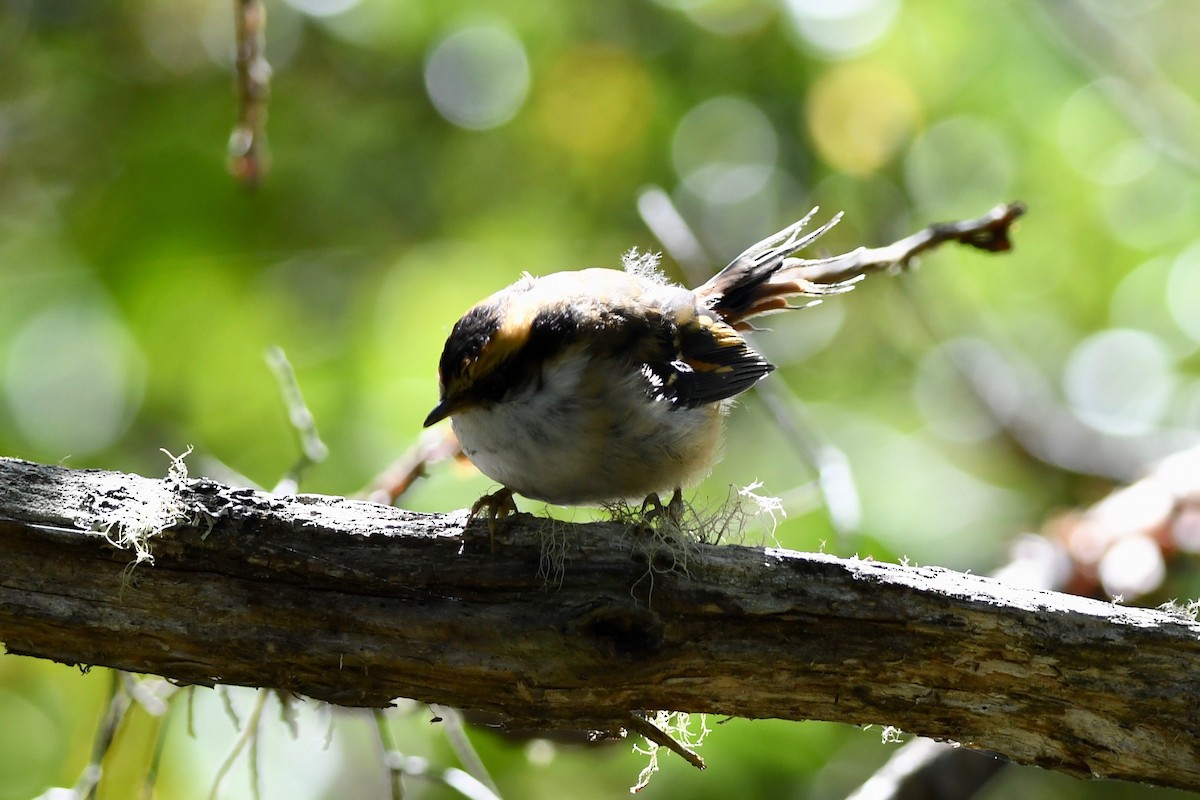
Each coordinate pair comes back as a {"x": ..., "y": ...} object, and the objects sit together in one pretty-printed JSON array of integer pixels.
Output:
[
  {"x": 357, "y": 604},
  {"x": 989, "y": 233}
]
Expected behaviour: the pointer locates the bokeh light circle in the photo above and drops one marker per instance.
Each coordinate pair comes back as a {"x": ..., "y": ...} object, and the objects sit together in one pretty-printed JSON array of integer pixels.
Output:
[
  {"x": 725, "y": 149},
  {"x": 959, "y": 166},
  {"x": 1120, "y": 381},
  {"x": 73, "y": 379},
  {"x": 478, "y": 76}
]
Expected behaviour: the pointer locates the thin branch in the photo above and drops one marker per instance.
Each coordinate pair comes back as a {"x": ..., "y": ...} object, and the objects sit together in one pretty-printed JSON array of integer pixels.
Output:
[
  {"x": 456, "y": 734},
  {"x": 989, "y": 233},
  {"x": 118, "y": 705},
  {"x": 662, "y": 217},
  {"x": 387, "y": 746},
  {"x": 433, "y": 445},
  {"x": 450, "y": 777},
  {"x": 927, "y": 770},
  {"x": 312, "y": 449},
  {"x": 357, "y": 603},
  {"x": 834, "y": 476},
  {"x": 399, "y": 765},
  {"x": 1018, "y": 400},
  {"x": 160, "y": 740},
  {"x": 248, "y": 157},
  {"x": 249, "y": 736},
  {"x": 643, "y": 727}
]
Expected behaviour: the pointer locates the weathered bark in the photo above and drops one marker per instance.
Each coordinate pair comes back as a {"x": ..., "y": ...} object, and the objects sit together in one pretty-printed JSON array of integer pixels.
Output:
[{"x": 357, "y": 604}]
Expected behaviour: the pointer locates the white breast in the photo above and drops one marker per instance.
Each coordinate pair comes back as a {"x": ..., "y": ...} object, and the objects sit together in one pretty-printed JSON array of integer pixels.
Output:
[{"x": 587, "y": 433}]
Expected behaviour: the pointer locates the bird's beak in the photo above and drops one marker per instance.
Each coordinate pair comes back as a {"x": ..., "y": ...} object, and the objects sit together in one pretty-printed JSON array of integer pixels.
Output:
[{"x": 443, "y": 409}]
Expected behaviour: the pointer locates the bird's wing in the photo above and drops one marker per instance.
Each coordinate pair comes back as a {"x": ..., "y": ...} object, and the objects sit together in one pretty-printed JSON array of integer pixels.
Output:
[
  {"x": 697, "y": 359},
  {"x": 687, "y": 354}
]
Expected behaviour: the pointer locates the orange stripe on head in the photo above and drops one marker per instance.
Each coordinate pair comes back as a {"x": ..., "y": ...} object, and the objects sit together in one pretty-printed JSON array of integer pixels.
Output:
[{"x": 517, "y": 315}]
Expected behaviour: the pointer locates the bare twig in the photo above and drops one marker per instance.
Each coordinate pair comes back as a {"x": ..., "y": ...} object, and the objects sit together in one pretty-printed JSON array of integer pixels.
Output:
[
  {"x": 834, "y": 477},
  {"x": 989, "y": 233},
  {"x": 399, "y": 765},
  {"x": 663, "y": 219},
  {"x": 456, "y": 734},
  {"x": 118, "y": 704},
  {"x": 312, "y": 449},
  {"x": 927, "y": 770},
  {"x": 248, "y": 737},
  {"x": 248, "y": 157},
  {"x": 434, "y": 445},
  {"x": 643, "y": 727},
  {"x": 387, "y": 746}
]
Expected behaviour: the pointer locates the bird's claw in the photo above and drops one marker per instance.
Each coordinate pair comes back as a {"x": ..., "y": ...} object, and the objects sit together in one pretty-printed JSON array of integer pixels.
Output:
[
  {"x": 497, "y": 505},
  {"x": 653, "y": 510}
]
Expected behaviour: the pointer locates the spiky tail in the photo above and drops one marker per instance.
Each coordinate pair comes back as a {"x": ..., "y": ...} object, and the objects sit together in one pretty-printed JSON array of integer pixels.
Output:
[{"x": 761, "y": 279}]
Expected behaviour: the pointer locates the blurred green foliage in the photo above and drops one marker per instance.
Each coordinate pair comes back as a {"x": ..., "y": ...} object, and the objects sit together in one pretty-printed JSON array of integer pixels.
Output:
[{"x": 424, "y": 153}]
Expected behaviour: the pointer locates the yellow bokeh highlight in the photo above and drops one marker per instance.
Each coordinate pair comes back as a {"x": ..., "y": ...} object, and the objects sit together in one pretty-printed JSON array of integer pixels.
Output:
[
  {"x": 594, "y": 101},
  {"x": 859, "y": 115}
]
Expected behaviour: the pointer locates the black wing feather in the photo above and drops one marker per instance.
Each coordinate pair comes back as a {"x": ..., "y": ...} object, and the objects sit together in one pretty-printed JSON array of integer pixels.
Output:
[{"x": 702, "y": 361}]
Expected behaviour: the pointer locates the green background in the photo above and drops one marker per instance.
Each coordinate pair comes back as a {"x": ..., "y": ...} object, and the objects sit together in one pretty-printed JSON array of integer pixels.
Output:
[{"x": 424, "y": 154}]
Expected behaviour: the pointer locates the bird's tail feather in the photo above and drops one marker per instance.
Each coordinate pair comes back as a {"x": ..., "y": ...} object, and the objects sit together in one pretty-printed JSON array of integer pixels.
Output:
[{"x": 761, "y": 279}]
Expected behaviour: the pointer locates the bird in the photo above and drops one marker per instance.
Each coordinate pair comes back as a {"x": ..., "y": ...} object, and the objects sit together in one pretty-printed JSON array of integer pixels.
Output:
[{"x": 599, "y": 385}]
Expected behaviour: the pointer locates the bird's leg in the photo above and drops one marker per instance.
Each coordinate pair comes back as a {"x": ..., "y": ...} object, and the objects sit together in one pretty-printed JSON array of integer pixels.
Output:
[
  {"x": 653, "y": 509},
  {"x": 675, "y": 507},
  {"x": 497, "y": 505}
]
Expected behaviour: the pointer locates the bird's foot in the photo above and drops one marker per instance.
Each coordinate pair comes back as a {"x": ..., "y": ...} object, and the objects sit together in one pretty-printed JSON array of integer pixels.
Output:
[
  {"x": 655, "y": 513},
  {"x": 496, "y": 506}
]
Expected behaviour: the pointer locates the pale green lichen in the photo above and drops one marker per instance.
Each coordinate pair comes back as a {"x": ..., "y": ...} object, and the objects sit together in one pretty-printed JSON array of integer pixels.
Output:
[
  {"x": 677, "y": 725},
  {"x": 1189, "y": 610},
  {"x": 667, "y": 541},
  {"x": 128, "y": 520},
  {"x": 552, "y": 563}
]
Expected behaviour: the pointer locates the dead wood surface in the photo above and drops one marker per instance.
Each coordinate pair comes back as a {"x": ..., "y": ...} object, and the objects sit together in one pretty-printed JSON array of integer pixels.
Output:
[{"x": 358, "y": 603}]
